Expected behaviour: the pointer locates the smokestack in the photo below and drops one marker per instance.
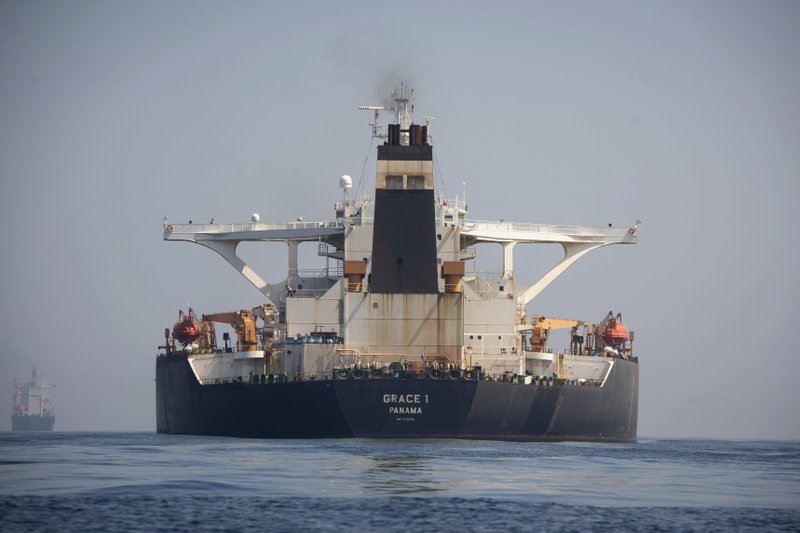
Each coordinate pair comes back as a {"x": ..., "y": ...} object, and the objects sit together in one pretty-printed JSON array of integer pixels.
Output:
[{"x": 394, "y": 134}]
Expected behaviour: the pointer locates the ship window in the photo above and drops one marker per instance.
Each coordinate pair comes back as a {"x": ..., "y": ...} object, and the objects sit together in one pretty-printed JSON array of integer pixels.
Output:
[
  {"x": 394, "y": 182},
  {"x": 416, "y": 182}
]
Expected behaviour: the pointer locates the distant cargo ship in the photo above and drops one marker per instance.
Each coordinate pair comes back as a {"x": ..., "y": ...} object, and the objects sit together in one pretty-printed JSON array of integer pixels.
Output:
[
  {"x": 32, "y": 407},
  {"x": 400, "y": 335}
]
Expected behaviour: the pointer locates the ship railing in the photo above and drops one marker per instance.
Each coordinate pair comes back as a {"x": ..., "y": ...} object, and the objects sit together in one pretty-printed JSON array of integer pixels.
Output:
[
  {"x": 317, "y": 274},
  {"x": 468, "y": 254},
  {"x": 206, "y": 350},
  {"x": 321, "y": 273},
  {"x": 530, "y": 227},
  {"x": 483, "y": 282},
  {"x": 331, "y": 252},
  {"x": 486, "y": 274},
  {"x": 455, "y": 203},
  {"x": 251, "y": 226},
  {"x": 586, "y": 352},
  {"x": 364, "y": 217},
  {"x": 450, "y": 212},
  {"x": 467, "y": 374},
  {"x": 349, "y": 355}
]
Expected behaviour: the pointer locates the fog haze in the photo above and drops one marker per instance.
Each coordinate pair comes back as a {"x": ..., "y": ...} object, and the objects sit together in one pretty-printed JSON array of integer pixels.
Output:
[{"x": 682, "y": 114}]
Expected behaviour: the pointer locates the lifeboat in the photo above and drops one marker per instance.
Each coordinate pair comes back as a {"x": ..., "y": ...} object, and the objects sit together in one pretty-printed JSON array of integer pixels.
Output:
[
  {"x": 186, "y": 328},
  {"x": 613, "y": 330}
]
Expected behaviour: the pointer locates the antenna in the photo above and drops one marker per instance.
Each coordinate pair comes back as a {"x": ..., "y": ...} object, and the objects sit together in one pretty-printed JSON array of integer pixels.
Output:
[
  {"x": 377, "y": 129},
  {"x": 427, "y": 120},
  {"x": 403, "y": 96}
]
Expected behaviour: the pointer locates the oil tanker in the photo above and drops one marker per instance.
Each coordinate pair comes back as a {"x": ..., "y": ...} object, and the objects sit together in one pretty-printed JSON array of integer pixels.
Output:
[
  {"x": 399, "y": 335},
  {"x": 32, "y": 408}
]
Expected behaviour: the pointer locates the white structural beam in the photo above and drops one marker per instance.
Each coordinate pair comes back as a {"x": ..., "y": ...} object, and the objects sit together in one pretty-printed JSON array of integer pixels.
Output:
[
  {"x": 227, "y": 249},
  {"x": 572, "y": 252},
  {"x": 543, "y": 233},
  {"x": 508, "y": 259},
  {"x": 577, "y": 241},
  {"x": 292, "y": 258},
  {"x": 256, "y": 231},
  {"x": 225, "y": 238}
]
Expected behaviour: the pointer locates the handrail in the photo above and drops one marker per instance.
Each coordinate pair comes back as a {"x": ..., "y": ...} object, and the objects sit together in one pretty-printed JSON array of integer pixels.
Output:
[
  {"x": 441, "y": 204},
  {"x": 250, "y": 226},
  {"x": 467, "y": 374},
  {"x": 315, "y": 273},
  {"x": 540, "y": 228}
]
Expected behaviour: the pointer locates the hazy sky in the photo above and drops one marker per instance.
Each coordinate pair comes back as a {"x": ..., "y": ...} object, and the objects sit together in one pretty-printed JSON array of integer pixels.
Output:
[{"x": 683, "y": 114}]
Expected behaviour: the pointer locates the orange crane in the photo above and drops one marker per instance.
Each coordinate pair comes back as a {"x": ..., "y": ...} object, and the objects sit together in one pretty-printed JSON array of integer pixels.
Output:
[
  {"x": 542, "y": 325},
  {"x": 243, "y": 322}
]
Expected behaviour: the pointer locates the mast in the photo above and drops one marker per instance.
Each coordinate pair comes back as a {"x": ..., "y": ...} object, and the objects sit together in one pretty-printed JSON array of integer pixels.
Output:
[{"x": 404, "y": 109}]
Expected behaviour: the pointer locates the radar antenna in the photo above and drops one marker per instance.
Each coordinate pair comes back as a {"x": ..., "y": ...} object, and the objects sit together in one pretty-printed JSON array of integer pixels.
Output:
[
  {"x": 404, "y": 109},
  {"x": 377, "y": 129}
]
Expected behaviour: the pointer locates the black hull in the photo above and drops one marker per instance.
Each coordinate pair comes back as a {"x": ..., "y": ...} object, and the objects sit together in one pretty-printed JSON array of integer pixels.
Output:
[
  {"x": 32, "y": 423},
  {"x": 398, "y": 408}
]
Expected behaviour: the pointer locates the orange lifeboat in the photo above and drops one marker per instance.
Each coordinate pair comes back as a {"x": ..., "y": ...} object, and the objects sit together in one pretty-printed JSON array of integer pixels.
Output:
[
  {"x": 613, "y": 330},
  {"x": 186, "y": 328}
]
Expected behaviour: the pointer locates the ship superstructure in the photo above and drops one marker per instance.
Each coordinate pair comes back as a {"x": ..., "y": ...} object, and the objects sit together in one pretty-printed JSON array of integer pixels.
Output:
[
  {"x": 32, "y": 408},
  {"x": 400, "y": 316}
]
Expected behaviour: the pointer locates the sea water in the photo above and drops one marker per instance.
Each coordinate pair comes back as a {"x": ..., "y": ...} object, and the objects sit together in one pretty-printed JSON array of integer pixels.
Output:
[{"x": 150, "y": 482}]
